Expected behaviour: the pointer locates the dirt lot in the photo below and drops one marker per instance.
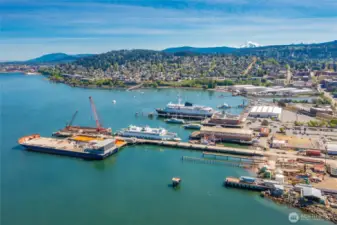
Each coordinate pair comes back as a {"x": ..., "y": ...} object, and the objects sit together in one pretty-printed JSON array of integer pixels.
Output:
[{"x": 328, "y": 182}]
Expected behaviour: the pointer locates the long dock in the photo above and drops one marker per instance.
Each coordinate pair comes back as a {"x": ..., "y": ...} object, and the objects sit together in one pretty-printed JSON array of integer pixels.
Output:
[
  {"x": 236, "y": 183},
  {"x": 221, "y": 149},
  {"x": 199, "y": 147},
  {"x": 241, "y": 159},
  {"x": 218, "y": 162}
]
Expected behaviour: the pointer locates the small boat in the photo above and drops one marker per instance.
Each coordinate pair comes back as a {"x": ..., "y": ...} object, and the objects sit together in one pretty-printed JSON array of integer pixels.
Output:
[
  {"x": 175, "y": 181},
  {"x": 192, "y": 126},
  {"x": 175, "y": 120},
  {"x": 224, "y": 106},
  {"x": 114, "y": 101}
]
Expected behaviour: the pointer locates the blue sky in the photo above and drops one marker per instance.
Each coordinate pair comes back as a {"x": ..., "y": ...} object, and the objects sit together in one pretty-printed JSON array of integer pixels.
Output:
[{"x": 30, "y": 28}]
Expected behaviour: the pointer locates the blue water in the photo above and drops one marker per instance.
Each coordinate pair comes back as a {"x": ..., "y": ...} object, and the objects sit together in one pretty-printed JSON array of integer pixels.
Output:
[{"x": 130, "y": 187}]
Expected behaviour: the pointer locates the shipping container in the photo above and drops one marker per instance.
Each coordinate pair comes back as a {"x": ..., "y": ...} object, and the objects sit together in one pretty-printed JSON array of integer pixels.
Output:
[{"x": 313, "y": 153}]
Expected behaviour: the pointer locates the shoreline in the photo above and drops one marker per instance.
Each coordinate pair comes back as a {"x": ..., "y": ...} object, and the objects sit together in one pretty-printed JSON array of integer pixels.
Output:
[{"x": 316, "y": 211}]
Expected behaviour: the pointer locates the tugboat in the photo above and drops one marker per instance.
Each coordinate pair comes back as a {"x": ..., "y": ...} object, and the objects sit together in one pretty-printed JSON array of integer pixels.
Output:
[{"x": 175, "y": 120}]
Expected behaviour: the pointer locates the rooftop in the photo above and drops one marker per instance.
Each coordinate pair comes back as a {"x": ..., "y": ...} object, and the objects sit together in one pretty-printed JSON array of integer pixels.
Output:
[
  {"x": 225, "y": 130},
  {"x": 266, "y": 109}
]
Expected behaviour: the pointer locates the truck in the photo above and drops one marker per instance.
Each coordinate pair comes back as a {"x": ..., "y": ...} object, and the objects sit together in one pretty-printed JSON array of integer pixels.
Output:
[{"x": 313, "y": 153}]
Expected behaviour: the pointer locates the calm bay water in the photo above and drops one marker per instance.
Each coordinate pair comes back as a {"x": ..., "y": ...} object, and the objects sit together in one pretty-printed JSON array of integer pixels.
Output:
[{"x": 130, "y": 187}]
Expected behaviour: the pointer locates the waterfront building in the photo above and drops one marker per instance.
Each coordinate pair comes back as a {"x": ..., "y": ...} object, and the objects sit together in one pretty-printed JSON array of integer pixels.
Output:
[
  {"x": 227, "y": 134},
  {"x": 266, "y": 112},
  {"x": 225, "y": 120}
]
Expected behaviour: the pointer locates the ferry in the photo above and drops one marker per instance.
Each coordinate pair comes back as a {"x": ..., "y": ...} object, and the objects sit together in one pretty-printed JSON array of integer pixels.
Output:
[
  {"x": 187, "y": 109},
  {"x": 192, "y": 126},
  {"x": 148, "y": 133},
  {"x": 175, "y": 120},
  {"x": 93, "y": 149}
]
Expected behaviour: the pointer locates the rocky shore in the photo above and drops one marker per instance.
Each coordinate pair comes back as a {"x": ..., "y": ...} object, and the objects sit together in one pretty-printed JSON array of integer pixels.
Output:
[{"x": 318, "y": 211}]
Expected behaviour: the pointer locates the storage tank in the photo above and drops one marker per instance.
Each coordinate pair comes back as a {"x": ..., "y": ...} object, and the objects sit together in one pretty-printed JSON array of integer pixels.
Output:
[
  {"x": 313, "y": 153},
  {"x": 247, "y": 179},
  {"x": 279, "y": 178}
]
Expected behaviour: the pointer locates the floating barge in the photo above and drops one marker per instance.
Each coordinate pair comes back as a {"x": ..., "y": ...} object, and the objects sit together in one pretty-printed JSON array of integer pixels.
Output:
[
  {"x": 88, "y": 149},
  {"x": 243, "y": 183}
]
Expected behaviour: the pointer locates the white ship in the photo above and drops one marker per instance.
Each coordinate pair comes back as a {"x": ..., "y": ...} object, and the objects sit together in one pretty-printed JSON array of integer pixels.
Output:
[
  {"x": 148, "y": 133},
  {"x": 187, "y": 109}
]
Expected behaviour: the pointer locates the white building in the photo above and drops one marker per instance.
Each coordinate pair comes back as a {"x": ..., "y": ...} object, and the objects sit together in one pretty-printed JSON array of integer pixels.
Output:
[
  {"x": 254, "y": 89},
  {"x": 266, "y": 112},
  {"x": 331, "y": 148},
  {"x": 240, "y": 87}
]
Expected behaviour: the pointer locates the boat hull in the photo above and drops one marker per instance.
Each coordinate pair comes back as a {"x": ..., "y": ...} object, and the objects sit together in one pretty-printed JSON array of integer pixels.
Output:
[
  {"x": 70, "y": 153},
  {"x": 162, "y": 138},
  {"x": 163, "y": 113}
]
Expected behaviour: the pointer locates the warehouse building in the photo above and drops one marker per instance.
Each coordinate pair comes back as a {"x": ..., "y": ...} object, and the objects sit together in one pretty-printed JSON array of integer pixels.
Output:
[
  {"x": 266, "y": 112},
  {"x": 227, "y": 134}
]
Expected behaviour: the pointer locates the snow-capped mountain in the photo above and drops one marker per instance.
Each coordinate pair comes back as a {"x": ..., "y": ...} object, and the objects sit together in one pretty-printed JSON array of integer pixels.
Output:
[{"x": 250, "y": 44}]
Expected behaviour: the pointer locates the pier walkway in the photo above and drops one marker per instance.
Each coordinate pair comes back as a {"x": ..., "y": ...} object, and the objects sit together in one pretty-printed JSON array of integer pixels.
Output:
[
  {"x": 200, "y": 147},
  {"x": 218, "y": 162},
  {"x": 222, "y": 149}
]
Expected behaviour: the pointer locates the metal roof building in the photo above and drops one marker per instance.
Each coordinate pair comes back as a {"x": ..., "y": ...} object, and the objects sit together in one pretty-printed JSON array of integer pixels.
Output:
[
  {"x": 266, "y": 111},
  {"x": 227, "y": 133}
]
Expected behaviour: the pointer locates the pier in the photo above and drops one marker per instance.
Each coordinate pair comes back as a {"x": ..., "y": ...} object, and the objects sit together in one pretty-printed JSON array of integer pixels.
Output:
[
  {"x": 217, "y": 162},
  {"x": 241, "y": 159},
  {"x": 236, "y": 183},
  {"x": 199, "y": 147},
  {"x": 220, "y": 149}
]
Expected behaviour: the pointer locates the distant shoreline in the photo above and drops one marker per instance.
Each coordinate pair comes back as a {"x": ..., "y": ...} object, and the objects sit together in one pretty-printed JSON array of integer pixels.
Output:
[{"x": 23, "y": 73}]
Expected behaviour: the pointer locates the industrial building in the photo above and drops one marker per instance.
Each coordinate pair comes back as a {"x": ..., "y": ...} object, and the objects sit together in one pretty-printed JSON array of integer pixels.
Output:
[
  {"x": 266, "y": 112},
  {"x": 240, "y": 87},
  {"x": 225, "y": 120},
  {"x": 227, "y": 134}
]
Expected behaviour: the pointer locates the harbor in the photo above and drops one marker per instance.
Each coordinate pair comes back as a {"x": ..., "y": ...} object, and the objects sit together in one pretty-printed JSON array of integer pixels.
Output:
[{"x": 140, "y": 170}]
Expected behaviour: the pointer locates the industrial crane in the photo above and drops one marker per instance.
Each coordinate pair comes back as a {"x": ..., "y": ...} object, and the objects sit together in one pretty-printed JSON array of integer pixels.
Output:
[
  {"x": 93, "y": 108},
  {"x": 72, "y": 119}
]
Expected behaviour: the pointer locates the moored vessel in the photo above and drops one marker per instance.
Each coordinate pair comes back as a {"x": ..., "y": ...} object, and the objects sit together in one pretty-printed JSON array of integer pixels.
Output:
[
  {"x": 185, "y": 110},
  {"x": 148, "y": 133},
  {"x": 175, "y": 120},
  {"x": 88, "y": 149},
  {"x": 192, "y": 126}
]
